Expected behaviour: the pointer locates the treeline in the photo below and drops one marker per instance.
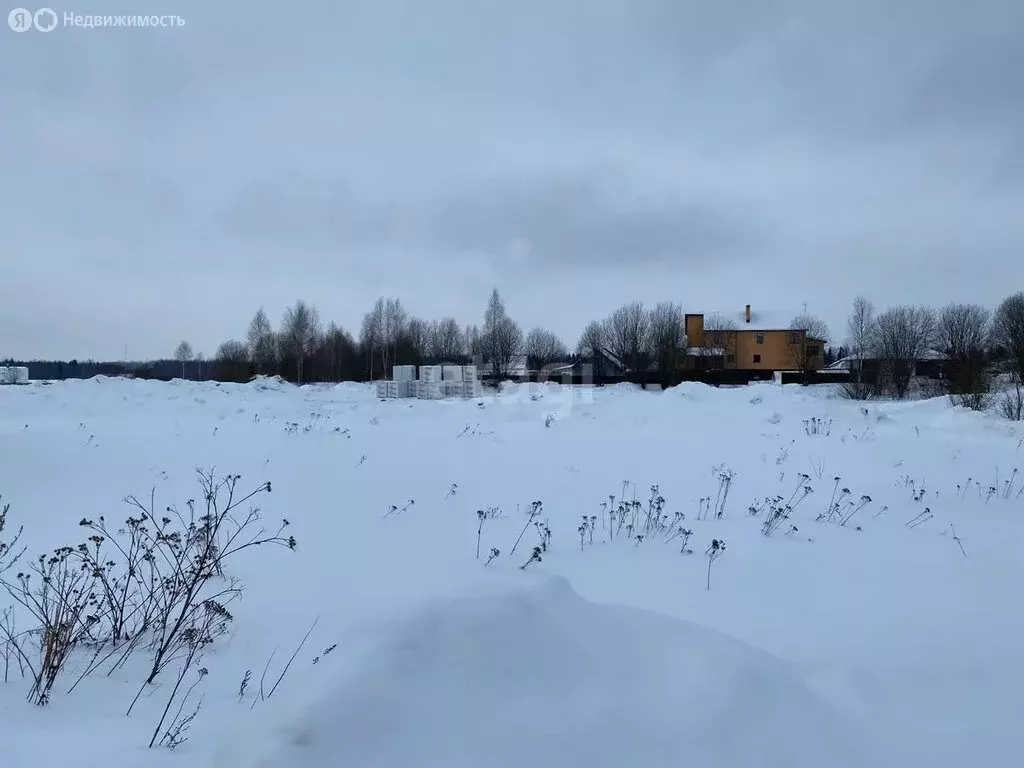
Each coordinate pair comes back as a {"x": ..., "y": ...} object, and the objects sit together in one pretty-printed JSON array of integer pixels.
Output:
[
  {"x": 979, "y": 352},
  {"x": 632, "y": 338},
  {"x": 303, "y": 350}
]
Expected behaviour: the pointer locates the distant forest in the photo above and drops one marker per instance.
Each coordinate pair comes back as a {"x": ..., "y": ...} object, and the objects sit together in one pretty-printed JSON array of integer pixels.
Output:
[
  {"x": 303, "y": 350},
  {"x": 982, "y": 350}
]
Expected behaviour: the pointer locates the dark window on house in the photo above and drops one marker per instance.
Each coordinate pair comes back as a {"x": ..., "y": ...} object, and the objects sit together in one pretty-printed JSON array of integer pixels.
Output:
[
  {"x": 760, "y": 338},
  {"x": 719, "y": 337},
  {"x": 794, "y": 338},
  {"x": 812, "y": 350},
  {"x": 757, "y": 358},
  {"x": 730, "y": 358}
]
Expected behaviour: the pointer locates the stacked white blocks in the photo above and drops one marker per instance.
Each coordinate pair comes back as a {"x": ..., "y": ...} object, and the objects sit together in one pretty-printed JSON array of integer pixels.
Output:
[
  {"x": 402, "y": 384},
  {"x": 429, "y": 390},
  {"x": 430, "y": 373},
  {"x": 470, "y": 383},
  {"x": 430, "y": 385},
  {"x": 451, "y": 376},
  {"x": 435, "y": 382},
  {"x": 403, "y": 372},
  {"x": 13, "y": 375},
  {"x": 397, "y": 388}
]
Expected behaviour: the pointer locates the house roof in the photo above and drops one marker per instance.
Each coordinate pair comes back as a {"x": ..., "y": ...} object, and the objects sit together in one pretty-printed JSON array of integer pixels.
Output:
[
  {"x": 760, "y": 319},
  {"x": 612, "y": 358},
  {"x": 844, "y": 363},
  {"x": 607, "y": 355}
]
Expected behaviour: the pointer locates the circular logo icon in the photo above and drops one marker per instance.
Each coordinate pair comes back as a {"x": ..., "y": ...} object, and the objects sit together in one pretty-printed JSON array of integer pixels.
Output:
[
  {"x": 45, "y": 19},
  {"x": 20, "y": 20}
]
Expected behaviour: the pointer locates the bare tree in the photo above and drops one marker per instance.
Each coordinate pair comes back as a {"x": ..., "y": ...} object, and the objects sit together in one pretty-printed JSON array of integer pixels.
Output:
[
  {"x": 384, "y": 328},
  {"x": 336, "y": 345},
  {"x": 418, "y": 339},
  {"x": 448, "y": 342},
  {"x": 183, "y": 354},
  {"x": 591, "y": 347},
  {"x": 627, "y": 331},
  {"x": 232, "y": 351},
  {"x": 1008, "y": 338},
  {"x": 495, "y": 310},
  {"x": 430, "y": 340},
  {"x": 1008, "y": 331},
  {"x": 505, "y": 345},
  {"x": 300, "y": 333},
  {"x": 1012, "y": 404},
  {"x": 905, "y": 336},
  {"x": 472, "y": 341},
  {"x": 667, "y": 337},
  {"x": 964, "y": 329},
  {"x": 801, "y": 354},
  {"x": 719, "y": 322},
  {"x": 963, "y": 333},
  {"x": 718, "y": 340},
  {"x": 371, "y": 335},
  {"x": 231, "y": 361},
  {"x": 262, "y": 342},
  {"x": 861, "y": 332},
  {"x": 502, "y": 339},
  {"x": 396, "y": 321},
  {"x": 542, "y": 348}
]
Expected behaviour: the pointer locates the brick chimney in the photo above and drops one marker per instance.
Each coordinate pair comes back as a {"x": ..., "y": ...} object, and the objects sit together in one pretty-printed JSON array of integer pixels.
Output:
[{"x": 747, "y": 313}]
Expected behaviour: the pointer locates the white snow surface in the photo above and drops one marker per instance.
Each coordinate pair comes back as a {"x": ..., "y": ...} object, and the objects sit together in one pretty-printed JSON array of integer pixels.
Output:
[
  {"x": 542, "y": 677},
  {"x": 869, "y": 644}
]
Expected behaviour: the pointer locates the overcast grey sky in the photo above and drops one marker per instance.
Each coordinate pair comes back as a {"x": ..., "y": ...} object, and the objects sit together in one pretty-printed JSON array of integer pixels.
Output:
[{"x": 160, "y": 184}]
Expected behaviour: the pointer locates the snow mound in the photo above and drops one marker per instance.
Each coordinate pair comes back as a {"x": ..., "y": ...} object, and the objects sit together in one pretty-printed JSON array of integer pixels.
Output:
[
  {"x": 545, "y": 679},
  {"x": 271, "y": 383},
  {"x": 687, "y": 388},
  {"x": 353, "y": 387}
]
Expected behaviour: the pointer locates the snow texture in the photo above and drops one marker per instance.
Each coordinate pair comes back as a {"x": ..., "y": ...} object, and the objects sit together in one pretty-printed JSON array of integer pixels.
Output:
[
  {"x": 541, "y": 677},
  {"x": 875, "y": 643}
]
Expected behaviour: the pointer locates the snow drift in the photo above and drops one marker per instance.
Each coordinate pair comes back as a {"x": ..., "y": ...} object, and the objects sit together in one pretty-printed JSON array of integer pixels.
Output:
[{"x": 545, "y": 679}]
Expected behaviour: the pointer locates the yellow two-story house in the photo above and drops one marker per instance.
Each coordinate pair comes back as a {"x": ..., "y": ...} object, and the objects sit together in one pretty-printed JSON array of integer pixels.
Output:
[{"x": 750, "y": 341}]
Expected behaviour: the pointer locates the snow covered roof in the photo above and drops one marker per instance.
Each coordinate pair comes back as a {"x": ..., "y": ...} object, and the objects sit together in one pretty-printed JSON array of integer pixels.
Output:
[
  {"x": 760, "y": 320},
  {"x": 608, "y": 356},
  {"x": 845, "y": 363},
  {"x": 705, "y": 351},
  {"x": 517, "y": 364},
  {"x": 612, "y": 358}
]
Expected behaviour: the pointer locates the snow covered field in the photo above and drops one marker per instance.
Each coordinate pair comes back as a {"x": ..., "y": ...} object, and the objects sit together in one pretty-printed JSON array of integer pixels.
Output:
[{"x": 871, "y": 643}]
